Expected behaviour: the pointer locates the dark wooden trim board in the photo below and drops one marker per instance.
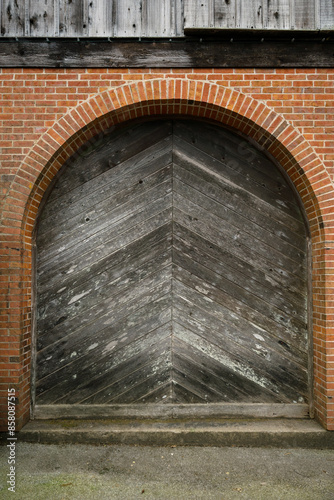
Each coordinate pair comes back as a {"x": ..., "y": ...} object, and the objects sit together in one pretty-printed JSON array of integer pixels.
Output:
[{"x": 176, "y": 53}]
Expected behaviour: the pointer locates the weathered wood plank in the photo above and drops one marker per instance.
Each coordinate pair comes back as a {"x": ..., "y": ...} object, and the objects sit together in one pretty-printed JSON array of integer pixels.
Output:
[
  {"x": 194, "y": 248},
  {"x": 166, "y": 411},
  {"x": 327, "y": 14},
  {"x": 69, "y": 389},
  {"x": 102, "y": 315},
  {"x": 238, "y": 221},
  {"x": 252, "y": 311},
  {"x": 243, "y": 244},
  {"x": 115, "y": 178},
  {"x": 239, "y": 271},
  {"x": 225, "y": 14},
  {"x": 128, "y": 18},
  {"x": 12, "y": 18},
  {"x": 171, "y": 289},
  {"x": 93, "y": 223},
  {"x": 258, "y": 350},
  {"x": 232, "y": 198},
  {"x": 276, "y": 14},
  {"x": 309, "y": 53},
  {"x": 162, "y": 394},
  {"x": 89, "y": 212},
  {"x": 228, "y": 169},
  {"x": 101, "y": 255},
  {"x": 249, "y": 14},
  {"x": 159, "y": 238},
  {"x": 118, "y": 336},
  {"x": 100, "y": 18},
  {"x": 305, "y": 14},
  {"x": 220, "y": 143},
  {"x": 207, "y": 312},
  {"x": 72, "y": 18},
  {"x": 226, "y": 384},
  {"x": 97, "y": 293},
  {"x": 293, "y": 390},
  {"x": 41, "y": 18},
  {"x": 198, "y": 13},
  {"x": 159, "y": 18}
]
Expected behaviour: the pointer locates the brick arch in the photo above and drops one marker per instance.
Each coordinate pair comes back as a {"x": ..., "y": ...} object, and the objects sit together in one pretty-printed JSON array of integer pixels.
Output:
[{"x": 175, "y": 97}]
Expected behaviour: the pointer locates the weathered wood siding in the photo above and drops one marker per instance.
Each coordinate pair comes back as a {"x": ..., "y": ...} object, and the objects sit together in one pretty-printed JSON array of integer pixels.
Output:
[
  {"x": 157, "y": 18},
  {"x": 171, "y": 268},
  {"x": 258, "y": 14}
]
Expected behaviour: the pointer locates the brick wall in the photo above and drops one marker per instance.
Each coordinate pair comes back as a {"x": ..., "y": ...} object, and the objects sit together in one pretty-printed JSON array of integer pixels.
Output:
[{"x": 45, "y": 115}]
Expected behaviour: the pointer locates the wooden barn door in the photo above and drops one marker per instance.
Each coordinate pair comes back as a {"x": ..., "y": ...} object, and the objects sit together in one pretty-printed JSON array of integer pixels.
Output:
[{"x": 171, "y": 268}]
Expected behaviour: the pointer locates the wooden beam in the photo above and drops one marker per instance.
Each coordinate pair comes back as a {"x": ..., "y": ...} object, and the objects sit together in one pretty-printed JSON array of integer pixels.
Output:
[
  {"x": 168, "y": 411},
  {"x": 67, "y": 53}
]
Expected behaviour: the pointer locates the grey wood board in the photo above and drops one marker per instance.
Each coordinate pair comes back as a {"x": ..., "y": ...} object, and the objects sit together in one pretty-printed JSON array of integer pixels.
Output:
[
  {"x": 94, "y": 223},
  {"x": 183, "y": 392},
  {"x": 327, "y": 14},
  {"x": 147, "y": 161},
  {"x": 116, "y": 270},
  {"x": 107, "y": 149},
  {"x": 119, "y": 335},
  {"x": 309, "y": 53},
  {"x": 128, "y": 18},
  {"x": 241, "y": 272},
  {"x": 282, "y": 384},
  {"x": 160, "y": 237},
  {"x": 252, "y": 181},
  {"x": 235, "y": 283},
  {"x": 235, "y": 222},
  {"x": 62, "y": 379},
  {"x": 102, "y": 315},
  {"x": 243, "y": 202},
  {"x": 262, "y": 349},
  {"x": 73, "y": 19},
  {"x": 239, "y": 309},
  {"x": 150, "y": 268},
  {"x": 41, "y": 18},
  {"x": 225, "y": 14},
  {"x": 57, "y": 285},
  {"x": 263, "y": 354},
  {"x": 216, "y": 234},
  {"x": 167, "y": 411},
  {"x": 128, "y": 372},
  {"x": 258, "y": 14},
  {"x": 163, "y": 393},
  {"x": 68, "y": 389},
  {"x": 276, "y": 209},
  {"x": 92, "y": 253},
  {"x": 158, "y": 18},
  {"x": 209, "y": 311},
  {"x": 12, "y": 18},
  {"x": 100, "y": 18},
  {"x": 219, "y": 143},
  {"x": 226, "y": 383},
  {"x": 162, "y": 18},
  {"x": 88, "y": 212},
  {"x": 96, "y": 293}
]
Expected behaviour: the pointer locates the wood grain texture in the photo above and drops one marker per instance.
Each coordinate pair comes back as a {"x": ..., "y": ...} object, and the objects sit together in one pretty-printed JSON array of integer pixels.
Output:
[
  {"x": 246, "y": 51},
  {"x": 158, "y": 18},
  {"x": 171, "y": 269}
]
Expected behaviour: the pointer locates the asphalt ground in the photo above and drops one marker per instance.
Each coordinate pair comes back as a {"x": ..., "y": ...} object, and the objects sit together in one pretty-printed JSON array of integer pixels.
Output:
[{"x": 56, "y": 472}]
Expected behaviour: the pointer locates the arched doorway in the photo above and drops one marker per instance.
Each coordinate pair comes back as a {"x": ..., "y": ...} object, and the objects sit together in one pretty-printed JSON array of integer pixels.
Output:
[{"x": 171, "y": 268}]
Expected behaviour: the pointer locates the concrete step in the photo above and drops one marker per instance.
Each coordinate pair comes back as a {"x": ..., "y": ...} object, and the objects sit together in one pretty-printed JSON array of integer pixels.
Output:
[{"x": 277, "y": 433}]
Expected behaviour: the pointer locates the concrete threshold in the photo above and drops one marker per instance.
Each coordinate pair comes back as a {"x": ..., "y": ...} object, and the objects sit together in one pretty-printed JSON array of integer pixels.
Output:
[{"x": 272, "y": 433}]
